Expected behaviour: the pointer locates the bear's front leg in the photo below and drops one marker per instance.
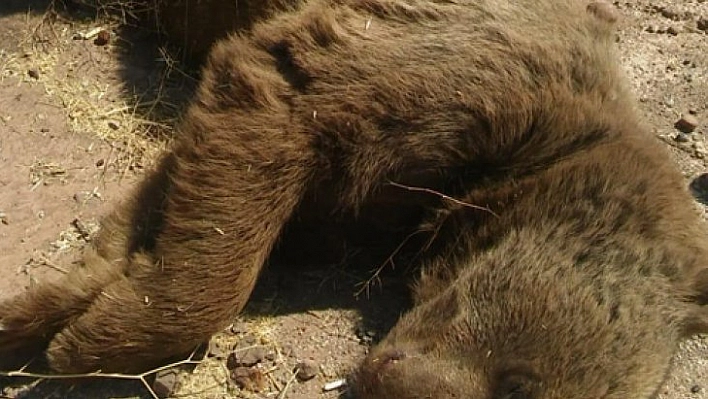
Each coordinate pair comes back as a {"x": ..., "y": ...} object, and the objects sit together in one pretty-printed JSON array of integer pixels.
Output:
[{"x": 230, "y": 192}]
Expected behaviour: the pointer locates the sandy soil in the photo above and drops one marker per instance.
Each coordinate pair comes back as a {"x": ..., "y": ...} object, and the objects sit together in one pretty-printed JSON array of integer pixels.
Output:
[{"x": 80, "y": 120}]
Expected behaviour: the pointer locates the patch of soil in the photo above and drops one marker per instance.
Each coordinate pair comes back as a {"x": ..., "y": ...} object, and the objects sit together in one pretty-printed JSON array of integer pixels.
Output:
[
  {"x": 76, "y": 132},
  {"x": 53, "y": 186}
]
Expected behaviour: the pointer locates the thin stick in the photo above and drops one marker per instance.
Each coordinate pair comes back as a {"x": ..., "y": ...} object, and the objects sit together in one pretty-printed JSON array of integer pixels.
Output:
[
  {"x": 281, "y": 395},
  {"x": 375, "y": 276},
  {"x": 43, "y": 260},
  {"x": 98, "y": 374},
  {"x": 443, "y": 196}
]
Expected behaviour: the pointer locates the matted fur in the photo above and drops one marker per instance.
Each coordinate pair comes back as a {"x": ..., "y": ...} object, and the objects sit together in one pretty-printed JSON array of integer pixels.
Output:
[{"x": 578, "y": 281}]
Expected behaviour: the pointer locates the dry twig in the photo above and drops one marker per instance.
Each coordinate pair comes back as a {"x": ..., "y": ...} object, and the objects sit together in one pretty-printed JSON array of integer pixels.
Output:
[
  {"x": 443, "y": 196},
  {"x": 98, "y": 374}
]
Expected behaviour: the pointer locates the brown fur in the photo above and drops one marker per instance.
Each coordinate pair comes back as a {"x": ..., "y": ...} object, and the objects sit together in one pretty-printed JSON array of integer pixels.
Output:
[
  {"x": 194, "y": 25},
  {"x": 578, "y": 282}
]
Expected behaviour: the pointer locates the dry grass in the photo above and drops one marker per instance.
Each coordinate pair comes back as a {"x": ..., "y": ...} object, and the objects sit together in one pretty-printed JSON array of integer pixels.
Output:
[
  {"x": 82, "y": 79},
  {"x": 22, "y": 373}
]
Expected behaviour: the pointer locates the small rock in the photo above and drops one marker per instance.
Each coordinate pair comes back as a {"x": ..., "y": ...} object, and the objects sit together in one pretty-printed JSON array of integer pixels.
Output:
[
  {"x": 250, "y": 339},
  {"x": 699, "y": 188},
  {"x": 651, "y": 29},
  {"x": 102, "y": 38},
  {"x": 239, "y": 327},
  {"x": 3, "y": 219},
  {"x": 702, "y": 24},
  {"x": 165, "y": 383},
  {"x": 672, "y": 31},
  {"x": 306, "y": 370},
  {"x": 248, "y": 379},
  {"x": 100, "y": 163},
  {"x": 602, "y": 10},
  {"x": 695, "y": 389},
  {"x": 81, "y": 197},
  {"x": 114, "y": 125},
  {"x": 246, "y": 358},
  {"x": 33, "y": 73},
  {"x": 366, "y": 336},
  {"x": 670, "y": 13},
  {"x": 82, "y": 228},
  {"x": 687, "y": 124},
  {"x": 216, "y": 350},
  {"x": 682, "y": 138}
]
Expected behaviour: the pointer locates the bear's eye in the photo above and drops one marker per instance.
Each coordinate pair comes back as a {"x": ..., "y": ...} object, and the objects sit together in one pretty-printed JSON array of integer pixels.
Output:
[
  {"x": 516, "y": 384},
  {"x": 515, "y": 392}
]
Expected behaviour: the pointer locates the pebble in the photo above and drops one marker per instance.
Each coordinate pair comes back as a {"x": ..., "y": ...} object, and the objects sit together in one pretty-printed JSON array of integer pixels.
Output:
[
  {"x": 239, "y": 327},
  {"x": 82, "y": 196},
  {"x": 216, "y": 350},
  {"x": 682, "y": 138},
  {"x": 672, "y": 31},
  {"x": 102, "y": 38},
  {"x": 695, "y": 389},
  {"x": 248, "y": 379},
  {"x": 699, "y": 188},
  {"x": 33, "y": 73},
  {"x": 602, "y": 10},
  {"x": 306, "y": 370},
  {"x": 687, "y": 124},
  {"x": 700, "y": 151},
  {"x": 245, "y": 358},
  {"x": 366, "y": 336},
  {"x": 670, "y": 14},
  {"x": 250, "y": 339},
  {"x": 702, "y": 24},
  {"x": 165, "y": 383}
]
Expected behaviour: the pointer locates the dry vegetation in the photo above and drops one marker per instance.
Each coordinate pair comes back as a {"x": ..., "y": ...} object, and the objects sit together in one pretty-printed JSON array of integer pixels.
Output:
[{"x": 64, "y": 57}]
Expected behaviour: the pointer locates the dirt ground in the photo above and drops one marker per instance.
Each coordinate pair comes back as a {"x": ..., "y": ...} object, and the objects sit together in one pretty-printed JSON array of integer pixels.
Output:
[{"x": 88, "y": 102}]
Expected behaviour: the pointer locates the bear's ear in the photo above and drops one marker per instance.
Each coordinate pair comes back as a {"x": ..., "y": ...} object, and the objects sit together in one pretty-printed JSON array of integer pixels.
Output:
[{"x": 697, "y": 319}]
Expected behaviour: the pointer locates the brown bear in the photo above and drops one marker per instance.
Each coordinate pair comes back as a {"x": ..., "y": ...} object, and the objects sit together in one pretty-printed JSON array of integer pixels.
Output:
[{"x": 558, "y": 252}]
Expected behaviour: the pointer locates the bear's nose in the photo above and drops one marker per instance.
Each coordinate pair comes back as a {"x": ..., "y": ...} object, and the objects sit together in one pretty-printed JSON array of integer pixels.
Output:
[
  {"x": 385, "y": 358},
  {"x": 377, "y": 375}
]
